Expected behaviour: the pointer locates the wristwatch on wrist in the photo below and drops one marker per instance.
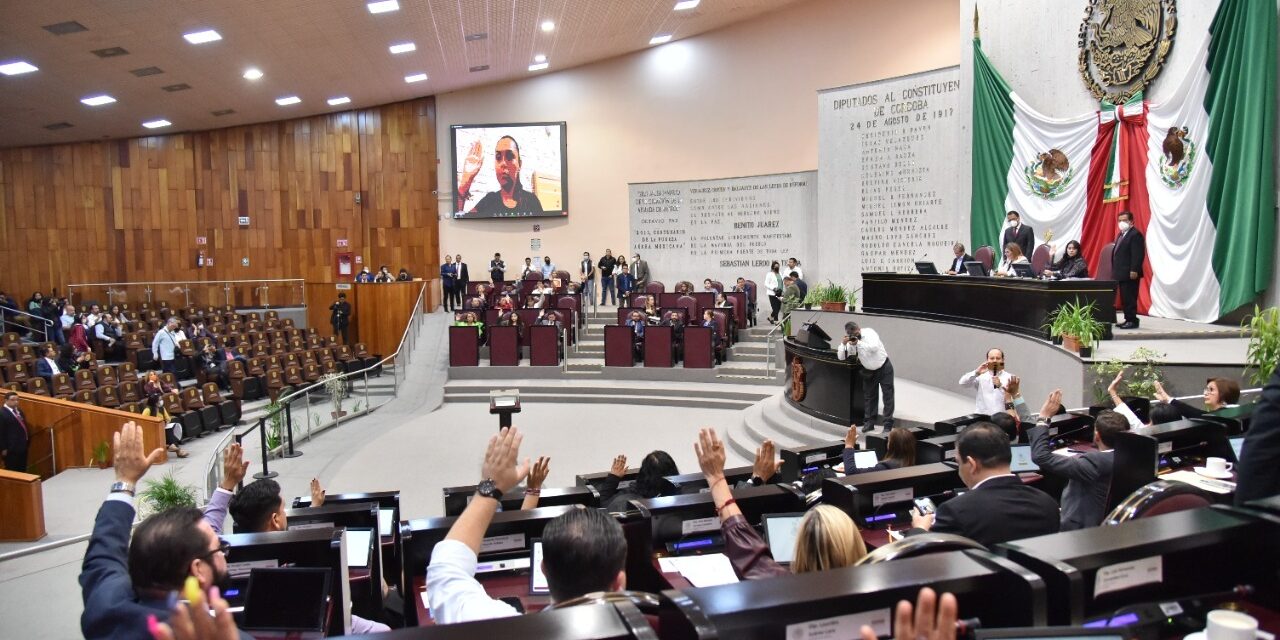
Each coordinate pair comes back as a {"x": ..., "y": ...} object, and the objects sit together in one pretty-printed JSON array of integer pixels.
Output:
[
  {"x": 1008, "y": 406},
  {"x": 488, "y": 489},
  {"x": 756, "y": 481},
  {"x": 122, "y": 487}
]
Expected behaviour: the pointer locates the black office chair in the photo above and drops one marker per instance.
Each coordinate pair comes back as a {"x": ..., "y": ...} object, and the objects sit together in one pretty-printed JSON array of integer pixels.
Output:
[
  {"x": 919, "y": 545},
  {"x": 1159, "y": 497}
]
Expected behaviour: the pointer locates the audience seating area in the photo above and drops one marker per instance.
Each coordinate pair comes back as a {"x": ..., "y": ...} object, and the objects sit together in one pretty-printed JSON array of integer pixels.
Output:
[{"x": 270, "y": 355}]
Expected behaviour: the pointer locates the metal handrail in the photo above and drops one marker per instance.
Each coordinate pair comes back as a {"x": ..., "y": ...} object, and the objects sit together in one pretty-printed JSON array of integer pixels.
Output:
[
  {"x": 187, "y": 284},
  {"x": 213, "y": 467},
  {"x": 768, "y": 338},
  {"x": 4, "y": 313}
]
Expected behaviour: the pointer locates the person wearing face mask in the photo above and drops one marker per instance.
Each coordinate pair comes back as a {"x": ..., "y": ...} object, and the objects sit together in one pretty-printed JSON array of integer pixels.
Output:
[
  {"x": 1018, "y": 233},
  {"x": 548, "y": 269},
  {"x": 1127, "y": 256},
  {"x": 587, "y": 275},
  {"x": 448, "y": 280},
  {"x": 1072, "y": 264},
  {"x": 607, "y": 288},
  {"x": 640, "y": 272}
]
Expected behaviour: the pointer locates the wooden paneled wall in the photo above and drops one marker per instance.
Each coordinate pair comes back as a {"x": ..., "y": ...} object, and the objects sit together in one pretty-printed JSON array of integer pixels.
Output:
[
  {"x": 132, "y": 210},
  {"x": 77, "y": 429}
]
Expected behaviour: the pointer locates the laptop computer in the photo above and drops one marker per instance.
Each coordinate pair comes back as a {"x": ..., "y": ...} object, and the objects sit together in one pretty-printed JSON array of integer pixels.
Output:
[
  {"x": 1023, "y": 270},
  {"x": 1022, "y": 462},
  {"x": 302, "y": 614},
  {"x": 926, "y": 268},
  {"x": 975, "y": 268},
  {"x": 780, "y": 534},
  {"x": 1237, "y": 445}
]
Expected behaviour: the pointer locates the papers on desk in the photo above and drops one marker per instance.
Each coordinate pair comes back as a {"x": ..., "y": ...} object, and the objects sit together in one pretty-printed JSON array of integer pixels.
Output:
[
  {"x": 1066, "y": 451},
  {"x": 701, "y": 571},
  {"x": 358, "y": 544},
  {"x": 1200, "y": 482},
  {"x": 386, "y": 521}
]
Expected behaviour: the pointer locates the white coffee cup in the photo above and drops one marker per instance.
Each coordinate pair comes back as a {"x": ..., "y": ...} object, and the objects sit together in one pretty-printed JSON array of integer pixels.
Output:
[
  {"x": 1224, "y": 624},
  {"x": 1218, "y": 466}
]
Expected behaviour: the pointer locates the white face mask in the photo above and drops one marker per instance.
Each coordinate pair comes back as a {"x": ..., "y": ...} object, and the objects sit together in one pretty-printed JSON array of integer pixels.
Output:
[{"x": 1124, "y": 226}]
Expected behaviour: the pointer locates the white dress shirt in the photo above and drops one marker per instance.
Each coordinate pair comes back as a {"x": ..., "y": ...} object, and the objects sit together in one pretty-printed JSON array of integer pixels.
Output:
[
  {"x": 53, "y": 366},
  {"x": 989, "y": 398},
  {"x": 869, "y": 350},
  {"x": 453, "y": 593},
  {"x": 786, "y": 271}
]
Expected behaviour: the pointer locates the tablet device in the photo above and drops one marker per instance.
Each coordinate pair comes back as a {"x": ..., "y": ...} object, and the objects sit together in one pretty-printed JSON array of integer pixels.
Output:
[
  {"x": 975, "y": 268},
  {"x": 537, "y": 581},
  {"x": 1022, "y": 462},
  {"x": 305, "y": 609},
  {"x": 926, "y": 268},
  {"x": 1023, "y": 270},
  {"x": 359, "y": 542},
  {"x": 1237, "y": 445},
  {"x": 780, "y": 534},
  {"x": 386, "y": 522},
  {"x": 865, "y": 459}
]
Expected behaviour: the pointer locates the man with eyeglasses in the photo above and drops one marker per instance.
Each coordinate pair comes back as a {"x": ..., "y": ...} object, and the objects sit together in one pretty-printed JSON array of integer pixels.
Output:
[
  {"x": 511, "y": 197},
  {"x": 125, "y": 583}
]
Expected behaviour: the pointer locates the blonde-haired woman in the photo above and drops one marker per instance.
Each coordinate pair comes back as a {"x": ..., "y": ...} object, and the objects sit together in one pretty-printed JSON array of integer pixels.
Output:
[
  {"x": 825, "y": 538},
  {"x": 154, "y": 388}
]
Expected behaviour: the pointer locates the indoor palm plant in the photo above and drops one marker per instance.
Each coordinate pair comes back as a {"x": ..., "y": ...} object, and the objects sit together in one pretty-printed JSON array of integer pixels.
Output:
[
  {"x": 831, "y": 296},
  {"x": 1263, "y": 329},
  {"x": 336, "y": 386},
  {"x": 164, "y": 494},
  {"x": 1074, "y": 322}
]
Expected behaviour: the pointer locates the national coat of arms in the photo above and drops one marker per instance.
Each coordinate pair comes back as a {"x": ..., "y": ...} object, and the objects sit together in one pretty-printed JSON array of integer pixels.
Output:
[
  {"x": 1123, "y": 45},
  {"x": 1179, "y": 158},
  {"x": 1049, "y": 175}
]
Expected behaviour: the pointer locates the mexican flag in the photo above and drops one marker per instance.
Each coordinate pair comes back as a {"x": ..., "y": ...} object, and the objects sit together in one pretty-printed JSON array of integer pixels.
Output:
[{"x": 1197, "y": 170}]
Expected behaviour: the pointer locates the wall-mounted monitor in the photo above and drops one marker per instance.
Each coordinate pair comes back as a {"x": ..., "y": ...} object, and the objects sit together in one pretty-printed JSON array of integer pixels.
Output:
[{"x": 509, "y": 170}]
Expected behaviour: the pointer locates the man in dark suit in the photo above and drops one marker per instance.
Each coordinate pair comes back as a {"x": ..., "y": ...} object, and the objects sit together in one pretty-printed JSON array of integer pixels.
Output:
[
  {"x": 1127, "y": 256},
  {"x": 957, "y": 265},
  {"x": 14, "y": 434},
  {"x": 639, "y": 273},
  {"x": 47, "y": 366},
  {"x": 1019, "y": 234},
  {"x": 464, "y": 277},
  {"x": 1084, "y": 501},
  {"x": 124, "y": 582},
  {"x": 997, "y": 507},
  {"x": 1257, "y": 475}
]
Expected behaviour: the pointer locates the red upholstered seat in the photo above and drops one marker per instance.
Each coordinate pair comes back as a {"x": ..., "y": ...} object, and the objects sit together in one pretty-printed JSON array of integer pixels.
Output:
[
  {"x": 984, "y": 255},
  {"x": 1104, "y": 261},
  {"x": 1040, "y": 259}
]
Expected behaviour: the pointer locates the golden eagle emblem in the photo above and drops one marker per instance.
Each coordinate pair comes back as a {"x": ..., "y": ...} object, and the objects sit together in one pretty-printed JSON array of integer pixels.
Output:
[{"x": 1123, "y": 45}]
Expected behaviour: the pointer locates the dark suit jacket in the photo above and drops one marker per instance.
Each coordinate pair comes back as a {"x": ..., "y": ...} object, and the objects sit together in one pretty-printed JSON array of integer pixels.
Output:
[
  {"x": 1024, "y": 237},
  {"x": 45, "y": 371},
  {"x": 463, "y": 275},
  {"x": 1000, "y": 510},
  {"x": 959, "y": 268},
  {"x": 640, "y": 272},
  {"x": 13, "y": 438},
  {"x": 1084, "y": 501},
  {"x": 1127, "y": 255},
  {"x": 1257, "y": 475}
]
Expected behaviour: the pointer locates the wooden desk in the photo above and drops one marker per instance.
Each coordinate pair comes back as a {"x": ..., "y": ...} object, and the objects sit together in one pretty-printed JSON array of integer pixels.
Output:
[
  {"x": 832, "y": 387},
  {"x": 21, "y": 507},
  {"x": 1020, "y": 305},
  {"x": 77, "y": 428}
]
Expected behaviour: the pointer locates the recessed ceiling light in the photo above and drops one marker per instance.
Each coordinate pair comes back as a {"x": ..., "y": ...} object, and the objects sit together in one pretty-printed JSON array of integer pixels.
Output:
[
  {"x": 17, "y": 68},
  {"x": 95, "y": 101},
  {"x": 403, "y": 47},
  {"x": 201, "y": 37},
  {"x": 548, "y": 25},
  {"x": 539, "y": 58},
  {"x": 252, "y": 73},
  {"x": 686, "y": 4},
  {"x": 58, "y": 125},
  {"x": 181, "y": 86},
  {"x": 223, "y": 112},
  {"x": 417, "y": 77},
  {"x": 64, "y": 28},
  {"x": 147, "y": 71},
  {"x": 156, "y": 124},
  {"x": 478, "y": 68},
  {"x": 539, "y": 67},
  {"x": 662, "y": 39},
  {"x": 110, "y": 52},
  {"x": 333, "y": 102},
  {"x": 286, "y": 101},
  {"x": 384, "y": 6}
]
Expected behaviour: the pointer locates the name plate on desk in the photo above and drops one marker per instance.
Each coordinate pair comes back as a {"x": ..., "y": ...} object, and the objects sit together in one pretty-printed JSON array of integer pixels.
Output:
[
  {"x": 897, "y": 495},
  {"x": 1126, "y": 575},
  {"x": 815, "y": 457},
  {"x": 841, "y": 627},
  {"x": 699, "y": 525},
  {"x": 311, "y": 525},
  {"x": 502, "y": 543},
  {"x": 239, "y": 569}
]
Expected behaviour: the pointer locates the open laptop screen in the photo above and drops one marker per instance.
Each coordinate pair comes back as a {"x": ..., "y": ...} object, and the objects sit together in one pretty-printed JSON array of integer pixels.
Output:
[{"x": 303, "y": 610}]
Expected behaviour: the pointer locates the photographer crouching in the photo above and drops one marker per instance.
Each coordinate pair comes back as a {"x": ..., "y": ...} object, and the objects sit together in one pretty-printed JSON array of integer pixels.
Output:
[{"x": 877, "y": 373}]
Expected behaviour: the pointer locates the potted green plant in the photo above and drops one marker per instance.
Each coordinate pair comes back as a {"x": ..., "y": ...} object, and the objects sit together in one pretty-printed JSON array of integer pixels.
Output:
[
  {"x": 336, "y": 386},
  {"x": 273, "y": 424},
  {"x": 164, "y": 494},
  {"x": 1263, "y": 329},
  {"x": 1143, "y": 367},
  {"x": 1075, "y": 324},
  {"x": 102, "y": 455},
  {"x": 831, "y": 296}
]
